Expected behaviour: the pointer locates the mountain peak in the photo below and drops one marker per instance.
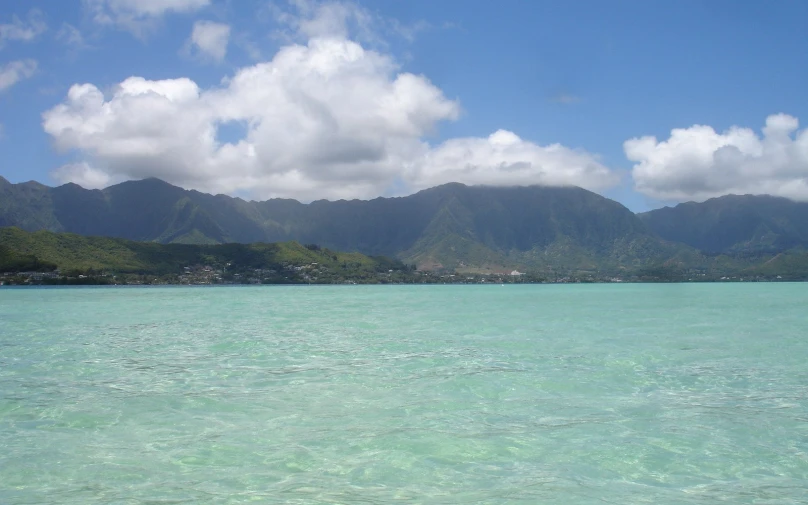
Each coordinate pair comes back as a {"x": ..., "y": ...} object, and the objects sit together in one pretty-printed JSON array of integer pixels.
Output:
[
  {"x": 34, "y": 184},
  {"x": 148, "y": 181},
  {"x": 452, "y": 224},
  {"x": 72, "y": 186},
  {"x": 733, "y": 223}
]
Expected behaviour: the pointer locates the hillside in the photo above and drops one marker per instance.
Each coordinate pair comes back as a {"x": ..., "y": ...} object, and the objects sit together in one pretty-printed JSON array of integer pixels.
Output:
[
  {"x": 45, "y": 251},
  {"x": 553, "y": 231},
  {"x": 24, "y": 253},
  {"x": 734, "y": 224},
  {"x": 452, "y": 226}
]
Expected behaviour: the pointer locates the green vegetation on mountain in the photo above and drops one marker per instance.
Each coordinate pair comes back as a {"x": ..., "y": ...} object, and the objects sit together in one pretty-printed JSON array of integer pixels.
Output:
[
  {"x": 734, "y": 224},
  {"x": 105, "y": 259},
  {"x": 792, "y": 264},
  {"x": 450, "y": 227},
  {"x": 27, "y": 205},
  {"x": 13, "y": 261},
  {"x": 552, "y": 232},
  {"x": 45, "y": 251}
]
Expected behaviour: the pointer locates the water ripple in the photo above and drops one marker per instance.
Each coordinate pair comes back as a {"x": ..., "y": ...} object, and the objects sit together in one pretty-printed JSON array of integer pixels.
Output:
[{"x": 372, "y": 395}]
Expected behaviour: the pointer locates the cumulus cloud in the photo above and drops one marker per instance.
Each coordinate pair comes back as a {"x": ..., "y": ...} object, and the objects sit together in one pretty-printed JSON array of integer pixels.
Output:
[
  {"x": 23, "y": 30},
  {"x": 505, "y": 159},
  {"x": 698, "y": 163},
  {"x": 82, "y": 174},
  {"x": 324, "y": 119},
  {"x": 209, "y": 39},
  {"x": 138, "y": 16},
  {"x": 16, "y": 71}
]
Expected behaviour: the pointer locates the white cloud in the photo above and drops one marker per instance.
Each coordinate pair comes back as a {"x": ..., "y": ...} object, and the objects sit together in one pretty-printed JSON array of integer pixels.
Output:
[
  {"x": 16, "y": 71},
  {"x": 210, "y": 39},
  {"x": 139, "y": 16},
  {"x": 25, "y": 31},
  {"x": 71, "y": 36},
  {"x": 408, "y": 32},
  {"x": 325, "y": 119},
  {"x": 310, "y": 19},
  {"x": 698, "y": 163},
  {"x": 504, "y": 159},
  {"x": 82, "y": 174}
]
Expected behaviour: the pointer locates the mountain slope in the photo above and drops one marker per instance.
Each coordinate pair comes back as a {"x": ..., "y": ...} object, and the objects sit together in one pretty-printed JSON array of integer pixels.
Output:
[
  {"x": 734, "y": 224},
  {"x": 451, "y": 226},
  {"x": 43, "y": 250},
  {"x": 27, "y": 205}
]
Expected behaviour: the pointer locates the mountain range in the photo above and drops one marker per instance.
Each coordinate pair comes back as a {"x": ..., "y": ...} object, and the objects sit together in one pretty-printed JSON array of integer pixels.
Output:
[
  {"x": 468, "y": 228},
  {"x": 734, "y": 224}
]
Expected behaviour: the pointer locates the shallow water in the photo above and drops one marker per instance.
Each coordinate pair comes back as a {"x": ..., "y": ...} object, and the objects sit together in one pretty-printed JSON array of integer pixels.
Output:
[{"x": 575, "y": 394}]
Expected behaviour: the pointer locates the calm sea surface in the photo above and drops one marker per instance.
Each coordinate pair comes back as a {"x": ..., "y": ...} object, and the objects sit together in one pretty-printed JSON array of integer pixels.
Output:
[{"x": 566, "y": 394}]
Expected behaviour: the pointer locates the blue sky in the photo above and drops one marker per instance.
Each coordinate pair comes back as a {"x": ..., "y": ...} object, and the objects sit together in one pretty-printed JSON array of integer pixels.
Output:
[{"x": 649, "y": 103}]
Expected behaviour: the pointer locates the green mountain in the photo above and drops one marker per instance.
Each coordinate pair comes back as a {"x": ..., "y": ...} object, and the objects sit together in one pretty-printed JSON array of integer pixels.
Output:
[
  {"x": 76, "y": 256},
  {"x": 27, "y": 205},
  {"x": 22, "y": 251},
  {"x": 548, "y": 232},
  {"x": 450, "y": 226},
  {"x": 734, "y": 224}
]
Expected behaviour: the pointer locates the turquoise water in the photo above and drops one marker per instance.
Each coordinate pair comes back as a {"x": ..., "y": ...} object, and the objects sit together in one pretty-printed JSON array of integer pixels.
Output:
[{"x": 568, "y": 394}]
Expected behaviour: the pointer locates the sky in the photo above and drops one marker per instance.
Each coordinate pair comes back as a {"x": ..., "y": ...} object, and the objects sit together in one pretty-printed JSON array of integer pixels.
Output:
[{"x": 648, "y": 103}]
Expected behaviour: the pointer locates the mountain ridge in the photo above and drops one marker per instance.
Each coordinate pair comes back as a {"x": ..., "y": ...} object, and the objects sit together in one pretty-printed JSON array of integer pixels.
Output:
[
  {"x": 733, "y": 224},
  {"x": 452, "y": 226},
  {"x": 447, "y": 226}
]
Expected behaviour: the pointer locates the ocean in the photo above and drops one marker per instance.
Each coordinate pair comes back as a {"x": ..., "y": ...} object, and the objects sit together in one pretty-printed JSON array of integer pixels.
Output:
[{"x": 557, "y": 394}]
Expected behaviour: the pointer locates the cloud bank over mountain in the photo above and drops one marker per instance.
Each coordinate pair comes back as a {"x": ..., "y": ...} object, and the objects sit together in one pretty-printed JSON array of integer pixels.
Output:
[
  {"x": 334, "y": 114},
  {"x": 324, "y": 118},
  {"x": 698, "y": 163}
]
